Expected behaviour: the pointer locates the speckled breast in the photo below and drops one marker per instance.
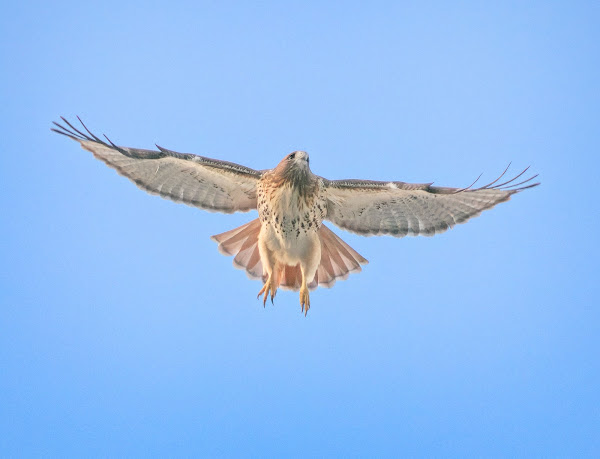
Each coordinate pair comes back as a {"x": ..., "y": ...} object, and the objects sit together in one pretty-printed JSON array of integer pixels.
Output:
[{"x": 291, "y": 210}]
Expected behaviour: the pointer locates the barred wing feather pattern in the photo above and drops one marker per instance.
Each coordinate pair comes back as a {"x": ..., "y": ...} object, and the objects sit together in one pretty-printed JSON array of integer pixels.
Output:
[
  {"x": 210, "y": 184},
  {"x": 404, "y": 209}
]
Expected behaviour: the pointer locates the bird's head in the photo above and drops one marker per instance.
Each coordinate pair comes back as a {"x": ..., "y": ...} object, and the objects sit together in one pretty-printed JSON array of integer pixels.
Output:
[
  {"x": 297, "y": 159},
  {"x": 294, "y": 168},
  {"x": 294, "y": 163}
]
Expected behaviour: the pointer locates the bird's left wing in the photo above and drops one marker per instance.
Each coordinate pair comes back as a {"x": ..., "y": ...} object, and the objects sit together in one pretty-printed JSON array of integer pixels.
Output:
[
  {"x": 400, "y": 209},
  {"x": 202, "y": 182}
]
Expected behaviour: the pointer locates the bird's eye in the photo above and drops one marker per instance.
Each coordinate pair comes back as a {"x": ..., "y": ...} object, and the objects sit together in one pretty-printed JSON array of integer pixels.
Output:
[{"x": 292, "y": 156}]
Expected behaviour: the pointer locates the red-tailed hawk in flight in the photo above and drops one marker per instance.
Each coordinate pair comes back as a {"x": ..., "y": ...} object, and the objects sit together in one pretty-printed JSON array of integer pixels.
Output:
[{"x": 288, "y": 245}]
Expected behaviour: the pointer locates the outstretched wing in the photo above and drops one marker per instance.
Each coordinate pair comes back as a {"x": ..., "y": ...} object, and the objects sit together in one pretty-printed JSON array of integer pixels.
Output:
[
  {"x": 400, "y": 209},
  {"x": 202, "y": 182}
]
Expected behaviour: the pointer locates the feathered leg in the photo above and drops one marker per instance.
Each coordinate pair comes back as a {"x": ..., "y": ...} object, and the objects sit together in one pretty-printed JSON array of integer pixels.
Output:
[
  {"x": 309, "y": 267},
  {"x": 272, "y": 269}
]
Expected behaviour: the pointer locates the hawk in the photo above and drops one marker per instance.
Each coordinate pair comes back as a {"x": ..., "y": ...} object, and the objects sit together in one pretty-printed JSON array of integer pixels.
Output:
[{"x": 288, "y": 245}]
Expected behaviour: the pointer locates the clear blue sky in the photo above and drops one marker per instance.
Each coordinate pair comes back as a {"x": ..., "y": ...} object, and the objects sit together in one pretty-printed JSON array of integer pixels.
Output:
[{"x": 125, "y": 332}]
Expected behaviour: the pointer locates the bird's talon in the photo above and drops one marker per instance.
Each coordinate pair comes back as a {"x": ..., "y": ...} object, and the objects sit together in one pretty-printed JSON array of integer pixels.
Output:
[
  {"x": 267, "y": 289},
  {"x": 304, "y": 300}
]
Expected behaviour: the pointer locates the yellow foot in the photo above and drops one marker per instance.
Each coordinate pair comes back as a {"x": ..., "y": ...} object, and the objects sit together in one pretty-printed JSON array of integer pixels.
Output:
[
  {"x": 304, "y": 300},
  {"x": 269, "y": 287}
]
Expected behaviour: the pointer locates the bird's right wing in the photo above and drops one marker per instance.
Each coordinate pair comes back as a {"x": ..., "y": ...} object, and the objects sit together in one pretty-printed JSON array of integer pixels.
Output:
[
  {"x": 399, "y": 209},
  {"x": 210, "y": 184}
]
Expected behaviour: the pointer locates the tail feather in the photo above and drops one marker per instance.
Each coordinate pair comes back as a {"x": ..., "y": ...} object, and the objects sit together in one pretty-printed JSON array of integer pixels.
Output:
[
  {"x": 231, "y": 241},
  {"x": 243, "y": 243},
  {"x": 338, "y": 259},
  {"x": 291, "y": 278}
]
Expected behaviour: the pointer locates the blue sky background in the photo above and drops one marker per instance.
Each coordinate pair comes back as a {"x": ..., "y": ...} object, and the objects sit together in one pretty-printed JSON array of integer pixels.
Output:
[{"x": 125, "y": 332}]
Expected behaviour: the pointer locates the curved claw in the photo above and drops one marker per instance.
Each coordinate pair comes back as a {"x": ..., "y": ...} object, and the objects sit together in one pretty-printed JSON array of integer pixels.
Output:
[{"x": 267, "y": 288}]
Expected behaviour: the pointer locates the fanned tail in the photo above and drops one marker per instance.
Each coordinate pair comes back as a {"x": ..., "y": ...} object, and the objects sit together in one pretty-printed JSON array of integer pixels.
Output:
[{"x": 338, "y": 259}]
